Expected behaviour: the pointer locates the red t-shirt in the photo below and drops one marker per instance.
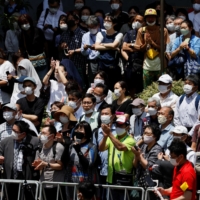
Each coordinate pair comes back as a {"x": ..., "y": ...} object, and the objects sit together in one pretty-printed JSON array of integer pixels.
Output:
[{"x": 184, "y": 176}]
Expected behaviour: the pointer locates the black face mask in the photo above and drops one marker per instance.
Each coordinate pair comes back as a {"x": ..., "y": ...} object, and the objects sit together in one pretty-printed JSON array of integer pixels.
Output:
[
  {"x": 79, "y": 135},
  {"x": 71, "y": 23},
  {"x": 52, "y": 114}
]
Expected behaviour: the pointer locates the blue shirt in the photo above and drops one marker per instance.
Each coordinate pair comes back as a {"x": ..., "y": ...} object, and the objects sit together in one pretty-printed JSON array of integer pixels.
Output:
[
  {"x": 104, "y": 154},
  {"x": 166, "y": 137},
  {"x": 89, "y": 39},
  {"x": 11, "y": 8}
]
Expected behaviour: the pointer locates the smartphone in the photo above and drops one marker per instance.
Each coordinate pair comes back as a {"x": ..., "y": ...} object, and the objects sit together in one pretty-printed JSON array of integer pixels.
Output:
[{"x": 136, "y": 147}]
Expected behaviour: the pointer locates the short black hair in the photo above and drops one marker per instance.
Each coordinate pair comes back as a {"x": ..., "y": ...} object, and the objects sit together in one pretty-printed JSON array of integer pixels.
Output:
[
  {"x": 182, "y": 10},
  {"x": 137, "y": 10},
  {"x": 87, "y": 189},
  {"x": 193, "y": 78},
  {"x": 112, "y": 18},
  {"x": 23, "y": 126},
  {"x": 53, "y": 1},
  {"x": 105, "y": 106},
  {"x": 103, "y": 75},
  {"x": 51, "y": 128},
  {"x": 71, "y": 85},
  {"x": 87, "y": 129},
  {"x": 104, "y": 87},
  {"x": 76, "y": 93},
  {"x": 155, "y": 130},
  {"x": 178, "y": 148},
  {"x": 91, "y": 96}
]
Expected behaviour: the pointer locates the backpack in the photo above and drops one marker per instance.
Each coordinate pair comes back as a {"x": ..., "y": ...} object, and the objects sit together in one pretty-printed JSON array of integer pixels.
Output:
[{"x": 196, "y": 100}]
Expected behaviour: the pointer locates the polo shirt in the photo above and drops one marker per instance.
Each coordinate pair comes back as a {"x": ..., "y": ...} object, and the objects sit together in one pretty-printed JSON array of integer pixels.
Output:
[
  {"x": 126, "y": 157},
  {"x": 183, "y": 176}
]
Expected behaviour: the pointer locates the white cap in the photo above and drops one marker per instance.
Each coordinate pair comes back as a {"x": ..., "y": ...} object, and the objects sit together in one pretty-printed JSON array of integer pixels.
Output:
[
  {"x": 165, "y": 78},
  {"x": 180, "y": 130}
]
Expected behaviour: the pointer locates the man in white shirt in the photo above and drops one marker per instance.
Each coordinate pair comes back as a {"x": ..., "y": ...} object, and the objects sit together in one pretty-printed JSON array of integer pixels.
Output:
[
  {"x": 46, "y": 5},
  {"x": 166, "y": 96}
]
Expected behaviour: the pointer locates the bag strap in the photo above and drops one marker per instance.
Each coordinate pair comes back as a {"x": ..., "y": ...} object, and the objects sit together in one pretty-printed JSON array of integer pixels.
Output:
[
  {"x": 54, "y": 150},
  {"x": 45, "y": 16},
  {"x": 197, "y": 101},
  {"x": 90, "y": 145},
  {"x": 181, "y": 99},
  {"x": 113, "y": 159}
]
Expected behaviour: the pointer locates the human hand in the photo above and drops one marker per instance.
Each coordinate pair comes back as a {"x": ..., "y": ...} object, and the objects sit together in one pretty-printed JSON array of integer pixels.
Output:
[
  {"x": 85, "y": 47},
  {"x": 53, "y": 63},
  {"x": 41, "y": 165},
  {"x": 91, "y": 90},
  {"x": 57, "y": 64},
  {"x": 46, "y": 26},
  {"x": 106, "y": 129},
  {"x": 184, "y": 45},
  {"x": 59, "y": 137},
  {"x": 168, "y": 56},
  {"x": 137, "y": 153},
  {"x": 36, "y": 162},
  {"x": 9, "y": 77},
  {"x": 166, "y": 157},
  {"x": 71, "y": 52},
  {"x": 92, "y": 47},
  {"x": 64, "y": 45},
  {"x": 161, "y": 190},
  {"x": 2, "y": 159},
  {"x": 160, "y": 156}
]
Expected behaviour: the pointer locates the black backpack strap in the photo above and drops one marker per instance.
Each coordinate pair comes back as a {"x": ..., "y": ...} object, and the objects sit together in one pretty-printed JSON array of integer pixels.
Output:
[
  {"x": 54, "y": 150},
  {"x": 45, "y": 16},
  {"x": 181, "y": 99}
]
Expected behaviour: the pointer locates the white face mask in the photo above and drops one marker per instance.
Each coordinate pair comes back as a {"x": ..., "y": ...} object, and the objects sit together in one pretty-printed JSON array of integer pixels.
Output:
[
  {"x": 53, "y": 10},
  {"x": 137, "y": 111},
  {"x": 28, "y": 90},
  {"x": 23, "y": 72},
  {"x": 117, "y": 93},
  {"x": 20, "y": 87},
  {"x": 98, "y": 99},
  {"x": 105, "y": 119},
  {"x": 97, "y": 80},
  {"x": 162, "y": 119},
  {"x": 148, "y": 139},
  {"x": 136, "y": 25},
  {"x": 14, "y": 135},
  {"x": 93, "y": 31},
  {"x": 170, "y": 27},
  {"x": 84, "y": 18},
  {"x": 63, "y": 27},
  {"x": 8, "y": 115},
  {"x": 89, "y": 111},
  {"x": 107, "y": 25},
  {"x": 182, "y": 17},
  {"x": 63, "y": 119},
  {"x": 78, "y": 6},
  {"x": 44, "y": 139},
  {"x": 72, "y": 104},
  {"x": 187, "y": 89},
  {"x": 173, "y": 162},
  {"x": 151, "y": 24},
  {"x": 114, "y": 6},
  {"x": 177, "y": 28},
  {"x": 25, "y": 27},
  {"x": 120, "y": 131},
  {"x": 152, "y": 111},
  {"x": 196, "y": 6},
  {"x": 163, "y": 88}
]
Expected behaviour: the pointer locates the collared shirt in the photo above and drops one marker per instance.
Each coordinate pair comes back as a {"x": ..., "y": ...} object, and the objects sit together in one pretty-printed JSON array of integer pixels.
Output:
[
  {"x": 186, "y": 113},
  {"x": 89, "y": 39},
  {"x": 104, "y": 154},
  {"x": 73, "y": 40},
  {"x": 194, "y": 17},
  {"x": 97, "y": 106},
  {"x": 5, "y": 130},
  {"x": 170, "y": 100},
  {"x": 79, "y": 112},
  {"x": 166, "y": 137},
  {"x": 93, "y": 120},
  {"x": 137, "y": 124},
  {"x": 51, "y": 19}
]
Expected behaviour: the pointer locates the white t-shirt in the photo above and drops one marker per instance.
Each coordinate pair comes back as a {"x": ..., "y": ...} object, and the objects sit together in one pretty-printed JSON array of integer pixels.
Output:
[
  {"x": 57, "y": 93},
  {"x": 99, "y": 37},
  {"x": 195, "y": 18},
  {"x": 6, "y": 66}
]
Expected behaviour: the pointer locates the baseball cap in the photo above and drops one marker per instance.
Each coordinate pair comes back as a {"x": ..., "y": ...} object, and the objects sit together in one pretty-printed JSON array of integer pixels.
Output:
[
  {"x": 30, "y": 79},
  {"x": 165, "y": 78},
  {"x": 137, "y": 102},
  {"x": 180, "y": 130},
  {"x": 11, "y": 106},
  {"x": 122, "y": 120},
  {"x": 20, "y": 79}
]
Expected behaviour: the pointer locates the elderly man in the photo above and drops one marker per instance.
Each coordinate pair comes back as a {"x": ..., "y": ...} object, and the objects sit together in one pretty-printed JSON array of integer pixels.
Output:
[{"x": 165, "y": 95}]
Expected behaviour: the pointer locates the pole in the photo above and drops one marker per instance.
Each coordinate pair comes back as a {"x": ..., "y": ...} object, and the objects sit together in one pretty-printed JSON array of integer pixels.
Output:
[{"x": 162, "y": 44}]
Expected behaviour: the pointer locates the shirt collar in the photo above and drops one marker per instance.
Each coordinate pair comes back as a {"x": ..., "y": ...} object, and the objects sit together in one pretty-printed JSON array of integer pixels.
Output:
[
  {"x": 167, "y": 128},
  {"x": 168, "y": 96},
  {"x": 192, "y": 96}
]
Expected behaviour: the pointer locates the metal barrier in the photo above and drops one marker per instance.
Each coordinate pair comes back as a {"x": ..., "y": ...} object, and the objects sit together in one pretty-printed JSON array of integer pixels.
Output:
[
  {"x": 108, "y": 187},
  {"x": 21, "y": 183},
  {"x": 147, "y": 192},
  {"x": 198, "y": 192}
]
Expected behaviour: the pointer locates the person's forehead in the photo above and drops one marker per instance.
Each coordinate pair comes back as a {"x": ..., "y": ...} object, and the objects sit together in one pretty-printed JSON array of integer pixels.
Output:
[
  {"x": 139, "y": 17},
  {"x": 98, "y": 90},
  {"x": 106, "y": 110}
]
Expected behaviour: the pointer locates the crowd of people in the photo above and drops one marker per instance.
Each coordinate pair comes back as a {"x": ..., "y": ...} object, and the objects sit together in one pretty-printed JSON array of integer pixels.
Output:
[{"x": 69, "y": 106}]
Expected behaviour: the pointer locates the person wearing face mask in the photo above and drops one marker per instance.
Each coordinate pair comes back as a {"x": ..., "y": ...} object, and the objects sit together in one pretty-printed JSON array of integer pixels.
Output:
[
  {"x": 182, "y": 13},
  {"x": 184, "y": 175},
  {"x": 189, "y": 44},
  {"x": 165, "y": 94},
  {"x": 70, "y": 43},
  {"x": 146, "y": 156},
  {"x": 86, "y": 191},
  {"x": 107, "y": 116},
  {"x": 139, "y": 119},
  {"x": 107, "y": 43},
  {"x": 134, "y": 57},
  {"x": 32, "y": 107},
  {"x": 57, "y": 87},
  {"x": 87, "y": 46},
  {"x": 90, "y": 115},
  {"x": 82, "y": 155},
  {"x": 78, "y": 5},
  {"x": 148, "y": 41},
  {"x": 187, "y": 107},
  {"x": 101, "y": 77},
  {"x": 16, "y": 165},
  {"x": 25, "y": 69},
  {"x": 85, "y": 13},
  {"x": 121, "y": 16},
  {"x": 46, "y": 5},
  {"x": 165, "y": 119},
  {"x": 74, "y": 101},
  {"x": 48, "y": 160},
  {"x": 120, "y": 156}
]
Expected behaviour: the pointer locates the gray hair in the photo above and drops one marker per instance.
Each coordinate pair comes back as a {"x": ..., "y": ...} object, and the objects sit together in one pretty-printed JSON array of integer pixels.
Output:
[
  {"x": 172, "y": 17},
  {"x": 92, "y": 20},
  {"x": 151, "y": 99}
]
